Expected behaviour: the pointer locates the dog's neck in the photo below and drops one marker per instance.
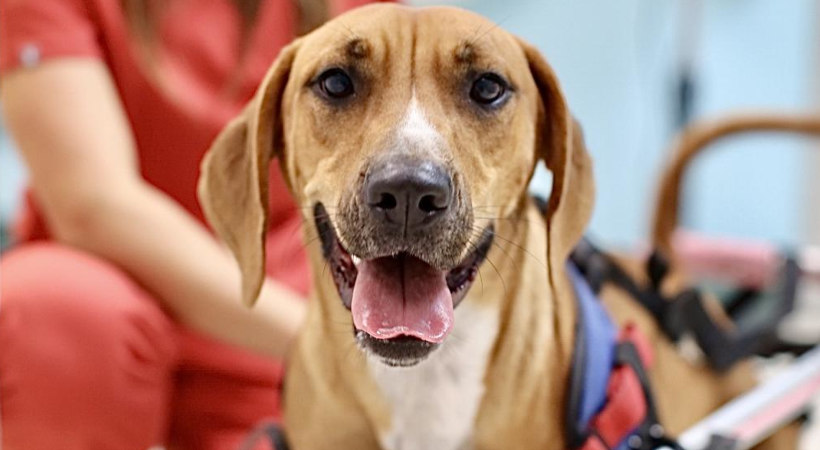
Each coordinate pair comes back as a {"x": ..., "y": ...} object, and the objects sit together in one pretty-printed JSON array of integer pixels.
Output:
[
  {"x": 511, "y": 345},
  {"x": 527, "y": 374}
]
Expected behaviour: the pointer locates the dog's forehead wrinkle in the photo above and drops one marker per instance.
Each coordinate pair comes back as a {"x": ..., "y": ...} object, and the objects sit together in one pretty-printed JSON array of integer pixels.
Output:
[
  {"x": 357, "y": 48},
  {"x": 465, "y": 53}
]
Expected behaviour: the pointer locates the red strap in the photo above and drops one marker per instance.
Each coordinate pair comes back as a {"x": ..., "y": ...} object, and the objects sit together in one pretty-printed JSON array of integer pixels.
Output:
[
  {"x": 625, "y": 407},
  {"x": 593, "y": 443},
  {"x": 632, "y": 334}
]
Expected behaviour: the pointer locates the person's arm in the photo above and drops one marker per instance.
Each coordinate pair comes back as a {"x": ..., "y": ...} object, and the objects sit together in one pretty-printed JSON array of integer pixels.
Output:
[{"x": 70, "y": 127}]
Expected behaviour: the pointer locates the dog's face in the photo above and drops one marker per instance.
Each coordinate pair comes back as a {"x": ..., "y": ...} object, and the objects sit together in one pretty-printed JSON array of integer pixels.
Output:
[
  {"x": 405, "y": 134},
  {"x": 407, "y": 139}
]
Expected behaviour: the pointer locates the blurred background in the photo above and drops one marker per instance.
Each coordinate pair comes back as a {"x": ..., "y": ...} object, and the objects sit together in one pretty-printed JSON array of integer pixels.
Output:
[{"x": 634, "y": 71}]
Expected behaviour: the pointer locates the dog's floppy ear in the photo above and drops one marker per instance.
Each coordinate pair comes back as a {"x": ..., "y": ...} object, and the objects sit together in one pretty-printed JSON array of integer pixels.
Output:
[
  {"x": 560, "y": 145},
  {"x": 233, "y": 184}
]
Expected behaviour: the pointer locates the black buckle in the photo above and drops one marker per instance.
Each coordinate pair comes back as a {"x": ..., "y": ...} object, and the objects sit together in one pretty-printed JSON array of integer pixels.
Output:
[
  {"x": 268, "y": 431},
  {"x": 650, "y": 434},
  {"x": 723, "y": 348}
]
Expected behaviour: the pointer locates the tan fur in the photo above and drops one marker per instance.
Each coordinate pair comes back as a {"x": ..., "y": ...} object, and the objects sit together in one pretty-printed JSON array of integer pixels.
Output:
[{"x": 332, "y": 402}]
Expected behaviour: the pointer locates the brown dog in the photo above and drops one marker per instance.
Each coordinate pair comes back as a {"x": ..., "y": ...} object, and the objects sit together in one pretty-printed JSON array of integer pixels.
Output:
[{"x": 411, "y": 136}]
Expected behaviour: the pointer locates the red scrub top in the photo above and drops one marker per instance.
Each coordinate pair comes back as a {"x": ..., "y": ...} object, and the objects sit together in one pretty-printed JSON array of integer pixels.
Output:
[{"x": 206, "y": 81}]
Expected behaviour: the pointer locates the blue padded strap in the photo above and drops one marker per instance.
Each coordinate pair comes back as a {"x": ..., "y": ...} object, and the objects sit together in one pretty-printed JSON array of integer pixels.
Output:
[{"x": 598, "y": 340}]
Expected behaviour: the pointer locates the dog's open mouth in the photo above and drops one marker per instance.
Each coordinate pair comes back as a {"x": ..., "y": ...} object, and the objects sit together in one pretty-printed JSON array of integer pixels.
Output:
[{"x": 400, "y": 296}]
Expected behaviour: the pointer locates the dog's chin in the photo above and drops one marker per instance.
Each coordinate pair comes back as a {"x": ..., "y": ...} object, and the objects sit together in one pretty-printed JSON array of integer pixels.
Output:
[
  {"x": 401, "y": 351},
  {"x": 402, "y": 306}
]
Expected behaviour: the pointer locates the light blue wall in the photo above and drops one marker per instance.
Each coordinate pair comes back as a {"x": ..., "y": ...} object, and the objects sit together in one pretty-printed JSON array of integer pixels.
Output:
[
  {"x": 757, "y": 54},
  {"x": 617, "y": 61}
]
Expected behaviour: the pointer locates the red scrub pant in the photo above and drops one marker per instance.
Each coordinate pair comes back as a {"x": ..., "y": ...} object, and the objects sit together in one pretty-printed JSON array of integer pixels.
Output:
[{"x": 88, "y": 360}]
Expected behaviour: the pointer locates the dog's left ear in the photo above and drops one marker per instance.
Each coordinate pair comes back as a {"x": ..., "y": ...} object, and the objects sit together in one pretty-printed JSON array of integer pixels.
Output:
[
  {"x": 560, "y": 145},
  {"x": 233, "y": 183}
]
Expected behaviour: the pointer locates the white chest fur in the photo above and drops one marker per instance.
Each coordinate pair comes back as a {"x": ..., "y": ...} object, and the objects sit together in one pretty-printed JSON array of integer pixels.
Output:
[{"x": 434, "y": 403}]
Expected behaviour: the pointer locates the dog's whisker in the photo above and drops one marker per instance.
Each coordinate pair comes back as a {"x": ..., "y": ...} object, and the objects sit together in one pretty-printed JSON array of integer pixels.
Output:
[
  {"x": 516, "y": 264},
  {"x": 331, "y": 213},
  {"x": 473, "y": 246},
  {"x": 326, "y": 215},
  {"x": 311, "y": 241},
  {"x": 489, "y": 29},
  {"x": 296, "y": 228},
  {"x": 313, "y": 206},
  {"x": 515, "y": 219},
  {"x": 500, "y": 278},
  {"x": 324, "y": 268},
  {"x": 485, "y": 208},
  {"x": 481, "y": 279},
  {"x": 524, "y": 249},
  {"x": 505, "y": 251},
  {"x": 306, "y": 209}
]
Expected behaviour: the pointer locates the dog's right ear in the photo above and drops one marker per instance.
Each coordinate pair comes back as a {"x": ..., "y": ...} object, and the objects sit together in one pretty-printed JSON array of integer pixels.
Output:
[
  {"x": 233, "y": 183},
  {"x": 561, "y": 146}
]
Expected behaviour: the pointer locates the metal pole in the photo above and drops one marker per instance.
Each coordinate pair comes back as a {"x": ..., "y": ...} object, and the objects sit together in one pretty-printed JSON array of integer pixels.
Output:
[{"x": 754, "y": 416}]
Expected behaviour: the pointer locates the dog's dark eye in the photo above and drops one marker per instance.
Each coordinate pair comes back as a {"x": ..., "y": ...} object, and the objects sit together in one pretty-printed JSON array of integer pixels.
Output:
[
  {"x": 488, "y": 89},
  {"x": 335, "y": 83}
]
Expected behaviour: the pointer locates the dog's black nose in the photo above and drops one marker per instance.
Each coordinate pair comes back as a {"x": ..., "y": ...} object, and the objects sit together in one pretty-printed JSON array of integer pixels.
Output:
[{"x": 410, "y": 195}]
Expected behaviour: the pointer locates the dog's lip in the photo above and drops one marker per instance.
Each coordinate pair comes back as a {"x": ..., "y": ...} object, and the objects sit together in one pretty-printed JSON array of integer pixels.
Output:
[
  {"x": 344, "y": 265},
  {"x": 400, "y": 351}
]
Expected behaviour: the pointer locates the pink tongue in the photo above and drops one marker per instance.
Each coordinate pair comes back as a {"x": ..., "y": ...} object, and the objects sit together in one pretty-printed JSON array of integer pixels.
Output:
[{"x": 402, "y": 296}]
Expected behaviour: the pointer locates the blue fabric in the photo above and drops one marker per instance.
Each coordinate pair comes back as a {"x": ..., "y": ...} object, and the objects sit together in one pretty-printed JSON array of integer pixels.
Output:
[{"x": 600, "y": 341}]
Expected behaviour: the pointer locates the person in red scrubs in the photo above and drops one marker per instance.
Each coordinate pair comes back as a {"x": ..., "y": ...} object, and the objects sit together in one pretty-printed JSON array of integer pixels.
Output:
[{"x": 120, "y": 320}]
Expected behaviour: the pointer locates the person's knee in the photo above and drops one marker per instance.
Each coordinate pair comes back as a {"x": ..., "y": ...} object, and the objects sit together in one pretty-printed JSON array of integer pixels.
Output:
[
  {"x": 49, "y": 288},
  {"x": 78, "y": 340}
]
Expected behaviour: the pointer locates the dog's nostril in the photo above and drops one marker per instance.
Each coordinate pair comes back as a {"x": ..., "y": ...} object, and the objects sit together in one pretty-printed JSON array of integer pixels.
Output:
[
  {"x": 429, "y": 204},
  {"x": 386, "y": 201},
  {"x": 407, "y": 194}
]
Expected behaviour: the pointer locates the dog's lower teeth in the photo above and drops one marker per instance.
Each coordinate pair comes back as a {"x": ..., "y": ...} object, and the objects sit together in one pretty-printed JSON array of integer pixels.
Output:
[{"x": 356, "y": 260}]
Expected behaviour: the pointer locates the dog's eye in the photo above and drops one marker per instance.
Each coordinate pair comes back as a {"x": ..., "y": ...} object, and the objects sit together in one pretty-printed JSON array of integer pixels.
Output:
[
  {"x": 488, "y": 89},
  {"x": 335, "y": 83}
]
